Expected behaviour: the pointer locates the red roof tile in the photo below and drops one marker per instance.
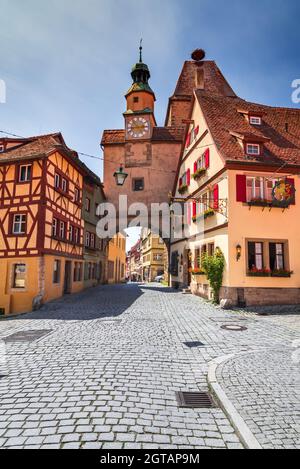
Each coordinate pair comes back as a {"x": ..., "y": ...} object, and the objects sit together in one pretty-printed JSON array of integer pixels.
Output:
[
  {"x": 280, "y": 128},
  {"x": 160, "y": 134},
  {"x": 34, "y": 147},
  {"x": 213, "y": 79}
]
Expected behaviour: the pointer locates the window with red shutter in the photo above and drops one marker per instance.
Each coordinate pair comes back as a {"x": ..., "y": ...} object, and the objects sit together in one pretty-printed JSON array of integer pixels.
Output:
[
  {"x": 195, "y": 166},
  {"x": 207, "y": 158},
  {"x": 241, "y": 188},
  {"x": 188, "y": 177},
  {"x": 194, "y": 208}
]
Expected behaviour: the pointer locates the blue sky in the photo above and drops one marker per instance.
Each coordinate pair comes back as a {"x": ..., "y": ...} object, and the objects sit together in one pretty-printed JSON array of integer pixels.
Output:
[{"x": 67, "y": 63}]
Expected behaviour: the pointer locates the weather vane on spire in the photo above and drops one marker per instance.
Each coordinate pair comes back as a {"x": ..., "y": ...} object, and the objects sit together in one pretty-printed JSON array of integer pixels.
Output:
[{"x": 141, "y": 50}]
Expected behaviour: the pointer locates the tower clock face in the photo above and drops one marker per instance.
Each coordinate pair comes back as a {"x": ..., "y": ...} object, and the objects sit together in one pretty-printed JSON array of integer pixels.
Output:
[{"x": 138, "y": 127}]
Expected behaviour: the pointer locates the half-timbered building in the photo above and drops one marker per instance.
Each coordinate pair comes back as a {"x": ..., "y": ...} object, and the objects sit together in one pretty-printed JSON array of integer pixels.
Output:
[{"x": 41, "y": 225}]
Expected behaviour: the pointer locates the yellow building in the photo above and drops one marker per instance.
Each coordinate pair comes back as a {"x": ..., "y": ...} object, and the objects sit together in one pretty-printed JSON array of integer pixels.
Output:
[
  {"x": 41, "y": 242},
  {"x": 153, "y": 255},
  {"x": 117, "y": 259},
  {"x": 239, "y": 179}
]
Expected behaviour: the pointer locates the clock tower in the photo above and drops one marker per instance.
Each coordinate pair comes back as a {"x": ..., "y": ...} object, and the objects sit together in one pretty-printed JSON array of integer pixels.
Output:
[{"x": 139, "y": 115}]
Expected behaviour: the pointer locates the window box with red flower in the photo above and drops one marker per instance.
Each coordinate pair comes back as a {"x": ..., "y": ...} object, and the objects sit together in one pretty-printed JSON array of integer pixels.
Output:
[
  {"x": 259, "y": 272},
  {"x": 197, "y": 271}
]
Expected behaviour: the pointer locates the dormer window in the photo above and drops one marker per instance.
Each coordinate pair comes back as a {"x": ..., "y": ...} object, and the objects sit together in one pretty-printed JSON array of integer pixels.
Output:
[
  {"x": 253, "y": 149},
  {"x": 255, "y": 120}
]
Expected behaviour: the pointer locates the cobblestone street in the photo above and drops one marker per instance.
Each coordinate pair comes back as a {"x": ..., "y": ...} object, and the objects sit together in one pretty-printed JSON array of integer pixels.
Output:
[{"x": 107, "y": 373}]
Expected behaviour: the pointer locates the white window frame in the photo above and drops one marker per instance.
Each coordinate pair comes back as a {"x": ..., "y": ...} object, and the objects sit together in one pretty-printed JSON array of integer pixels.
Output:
[
  {"x": 62, "y": 229},
  {"x": 54, "y": 227},
  {"x": 26, "y": 178},
  {"x": 76, "y": 195},
  {"x": 76, "y": 235},
  {"x": 18, "y": 227},
  {"x": 250, "y": 149},
  {"x": 92, "y": 240},
  {"x": 57, "y": 181},
  {"x": 71, "y": 233},
  {"x": 87, "y": 204},
  {"x": 64, "y": 185},
  {"x": 87, "y": 239},
  {"x": 255, "y": 120}
]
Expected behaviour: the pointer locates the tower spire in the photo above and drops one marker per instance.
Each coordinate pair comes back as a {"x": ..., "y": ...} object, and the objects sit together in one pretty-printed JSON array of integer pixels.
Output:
[{"x": 141, "y": 51}]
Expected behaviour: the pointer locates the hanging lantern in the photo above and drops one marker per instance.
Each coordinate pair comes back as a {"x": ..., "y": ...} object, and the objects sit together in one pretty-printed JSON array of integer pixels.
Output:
[{"x": 120, "y": 177}]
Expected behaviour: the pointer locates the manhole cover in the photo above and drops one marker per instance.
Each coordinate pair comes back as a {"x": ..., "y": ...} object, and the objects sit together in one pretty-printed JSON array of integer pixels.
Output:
[
  {"x": 234, "y": 327},
  {"x": 194, "y": 344},
  {"x": 195, "y": 400},
  {"x": 27, "y": 336}
]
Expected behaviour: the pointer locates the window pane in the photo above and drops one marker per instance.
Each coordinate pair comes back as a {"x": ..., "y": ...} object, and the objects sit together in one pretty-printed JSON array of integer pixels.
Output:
[{"x": 19, "y": 276}]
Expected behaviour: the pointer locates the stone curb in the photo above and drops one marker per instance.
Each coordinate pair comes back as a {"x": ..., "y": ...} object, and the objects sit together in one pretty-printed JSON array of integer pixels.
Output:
[{"x": 243, "y": 431}]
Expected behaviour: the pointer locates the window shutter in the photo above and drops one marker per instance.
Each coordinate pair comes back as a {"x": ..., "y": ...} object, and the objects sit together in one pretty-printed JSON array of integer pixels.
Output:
[
  {"x": 180, "y": 182},
  {"x": 188, "y": 177},
  {"x": 216, "y": 197},
  {"x": 241, "y": 188},
  {"x": 188, "y": 140},
  {"x": 196, "y": 130},
  {"x": 194, "y": 208},
  {"x": 292, "y": 183},
  {"x": 207, "y": 158},
  {"x": 195, "y": 167}
]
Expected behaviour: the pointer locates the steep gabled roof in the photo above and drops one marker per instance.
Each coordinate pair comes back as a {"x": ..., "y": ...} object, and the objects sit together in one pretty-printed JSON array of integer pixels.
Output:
[
  {"x": 32, "y": 147},
  {"x": 212, "y": 81},
  {"x": 279, "y": 132}
]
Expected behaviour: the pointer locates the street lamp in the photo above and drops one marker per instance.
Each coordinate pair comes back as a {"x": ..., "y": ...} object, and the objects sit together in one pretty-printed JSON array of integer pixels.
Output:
[{"x": 120, "y": 177}]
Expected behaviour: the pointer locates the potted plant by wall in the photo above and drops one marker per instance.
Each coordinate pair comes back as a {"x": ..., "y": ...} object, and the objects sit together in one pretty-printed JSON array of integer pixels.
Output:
[{"x": 214, "y": 269}]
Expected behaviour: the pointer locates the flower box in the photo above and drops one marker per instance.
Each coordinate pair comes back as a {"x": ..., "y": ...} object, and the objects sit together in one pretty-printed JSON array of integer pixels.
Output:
[
  {"x": 258, "y": 203},
  {"x": 197, "y": 272},
  {"x": 199, "y": 173},
  {"x": 183, "y": 189},
  {"x": 208, "y": 213},
  {"x": 281, "y": 273},
  {"x": 259, "y": 273}
]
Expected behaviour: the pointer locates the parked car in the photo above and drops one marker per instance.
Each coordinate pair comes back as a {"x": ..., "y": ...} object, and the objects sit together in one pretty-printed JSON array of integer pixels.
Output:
[{"x": 159, "y": 278}]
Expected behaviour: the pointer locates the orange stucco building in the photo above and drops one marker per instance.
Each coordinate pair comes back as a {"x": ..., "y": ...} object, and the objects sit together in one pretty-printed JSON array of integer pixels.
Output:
[
  {"x": 117, "y": 259},
  {"x": 239, "y": 177},
  {"x": 41, "y": 225}
]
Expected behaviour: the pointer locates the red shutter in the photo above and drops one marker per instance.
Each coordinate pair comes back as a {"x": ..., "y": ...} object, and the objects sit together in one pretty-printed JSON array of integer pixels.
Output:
[
  {"x": 207, "y": 158},
  {"x": 291, "y": 182},
  {"x": 196, "y": 131},
  {"x": 216, "y": 197},
  {"x": 188, "y": 140},
  {"x": 180, "y": 182},
  {"x": 241, "y": 188},
  {"x": 194, "y": 208},
  {"x": 188, "y": 177},
  {"x": 195, "y": 166}
]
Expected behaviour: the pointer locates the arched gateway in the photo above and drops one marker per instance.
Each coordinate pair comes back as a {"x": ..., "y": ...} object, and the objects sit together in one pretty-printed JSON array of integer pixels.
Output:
[{"x": 147, "y": 153}]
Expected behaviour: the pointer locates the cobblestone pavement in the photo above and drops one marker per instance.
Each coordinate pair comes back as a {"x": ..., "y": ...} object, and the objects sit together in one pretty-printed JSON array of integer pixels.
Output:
[{"x": 106, "y": 376}]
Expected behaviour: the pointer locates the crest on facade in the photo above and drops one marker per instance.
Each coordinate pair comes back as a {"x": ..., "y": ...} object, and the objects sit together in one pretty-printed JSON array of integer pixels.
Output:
[{"x": 283, "y": 193}]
